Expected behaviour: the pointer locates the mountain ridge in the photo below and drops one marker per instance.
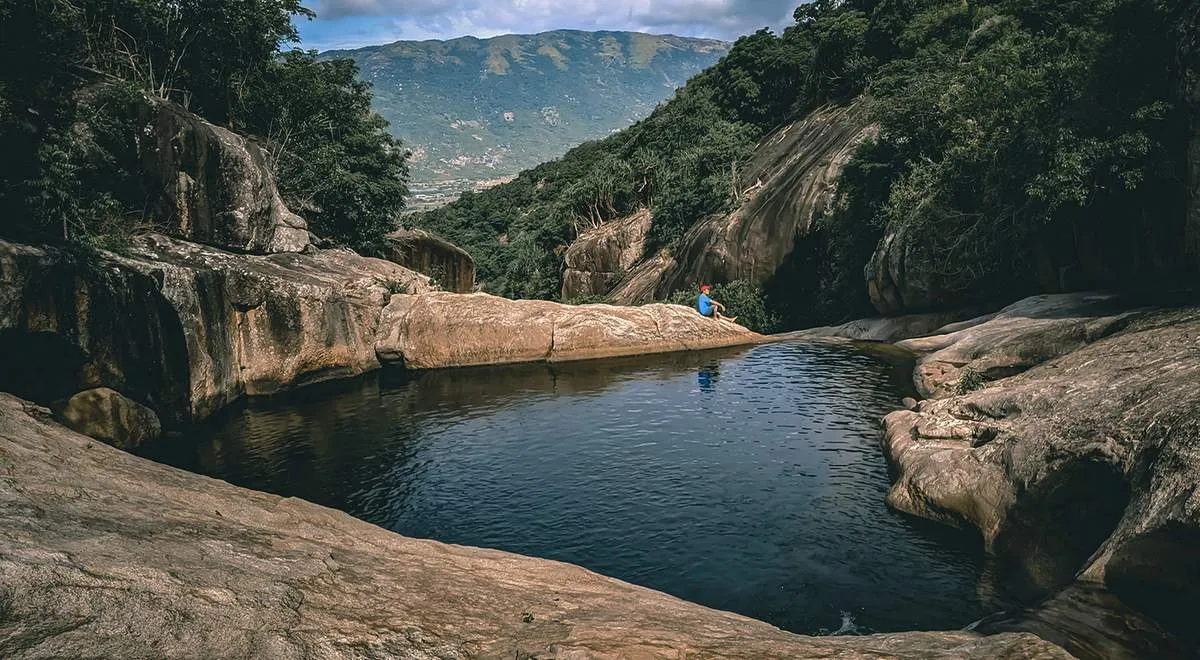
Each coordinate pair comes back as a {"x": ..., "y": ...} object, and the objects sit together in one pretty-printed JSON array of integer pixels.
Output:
[
  {"x": 343, "y": 52},
  {"x": 478, "y": 110}
]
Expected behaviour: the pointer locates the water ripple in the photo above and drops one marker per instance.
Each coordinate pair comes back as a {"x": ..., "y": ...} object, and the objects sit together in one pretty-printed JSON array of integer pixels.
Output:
[{"x": 748, "y": 480}]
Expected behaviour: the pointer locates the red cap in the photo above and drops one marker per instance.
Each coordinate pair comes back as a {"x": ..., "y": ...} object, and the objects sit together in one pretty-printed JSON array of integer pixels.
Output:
[{"x": 706, "y": 287}]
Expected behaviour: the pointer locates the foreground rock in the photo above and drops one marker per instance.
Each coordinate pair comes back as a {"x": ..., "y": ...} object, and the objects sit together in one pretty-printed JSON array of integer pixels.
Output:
[
  {"x": 447, "y": 330},
  {"x": 108, "y": 555},
  {"x": 1082, "y": 467},
  {"x": 449, "y": 266},
  {"x": 186, "y": 329}
]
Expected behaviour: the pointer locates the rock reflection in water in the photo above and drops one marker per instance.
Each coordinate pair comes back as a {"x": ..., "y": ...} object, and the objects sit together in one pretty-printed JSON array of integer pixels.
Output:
[
  {"x": 744, "y": 479},
  {"x": 1092, "y": 624}
]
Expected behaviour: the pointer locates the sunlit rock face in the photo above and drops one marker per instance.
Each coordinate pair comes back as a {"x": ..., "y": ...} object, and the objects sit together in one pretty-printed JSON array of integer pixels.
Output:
[
  {"x": 449, "y": 330},
  {"x": 449, "y": 266},
  {"x": 185, "y": 329},
  {"x": 600, "y": 256}
]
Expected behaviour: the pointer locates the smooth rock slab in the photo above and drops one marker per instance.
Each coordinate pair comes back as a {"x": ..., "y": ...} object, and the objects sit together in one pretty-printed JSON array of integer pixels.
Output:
[
  {"x": 437, "y": 330},
  {"x": 791, "y": 180},
  {"x": 888, "y": 328},
  {"x": 103, "y": 554}
]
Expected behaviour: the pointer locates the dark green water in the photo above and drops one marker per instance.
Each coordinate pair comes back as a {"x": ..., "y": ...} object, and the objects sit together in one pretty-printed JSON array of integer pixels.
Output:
[{"x": 747, "y": 480}]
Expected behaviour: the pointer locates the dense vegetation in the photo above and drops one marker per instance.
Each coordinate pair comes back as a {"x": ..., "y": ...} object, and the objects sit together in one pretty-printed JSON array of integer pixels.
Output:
[
  {"x": 1008, "y": 127},
  {"x": 73, "y": 72},
  {"x": 742, "y": 299},
  {"x": 1004, "y": 125},
  {"x": 448, "y": 99},
  {"x": 682, "y": 161}
]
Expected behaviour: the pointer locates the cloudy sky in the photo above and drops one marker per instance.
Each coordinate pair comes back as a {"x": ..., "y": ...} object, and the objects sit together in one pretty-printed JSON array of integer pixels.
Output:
[{"x": 354, "y": 23}]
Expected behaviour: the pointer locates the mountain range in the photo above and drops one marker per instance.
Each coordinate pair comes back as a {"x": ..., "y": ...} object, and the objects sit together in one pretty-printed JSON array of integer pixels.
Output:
[{"x": 477, "y": 111}]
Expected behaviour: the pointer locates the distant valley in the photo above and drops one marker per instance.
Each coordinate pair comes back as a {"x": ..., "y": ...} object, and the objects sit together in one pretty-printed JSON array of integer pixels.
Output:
[{"x": 478, "y": 111}]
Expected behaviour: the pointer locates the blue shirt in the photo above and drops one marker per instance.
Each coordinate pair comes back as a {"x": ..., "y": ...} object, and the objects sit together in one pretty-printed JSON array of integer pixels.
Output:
[{"x": 705, "y": 305}]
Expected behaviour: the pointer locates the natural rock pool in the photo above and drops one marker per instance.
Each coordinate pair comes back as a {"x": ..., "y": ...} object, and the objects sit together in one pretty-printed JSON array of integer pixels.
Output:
[{"x": 748, "y": 480}]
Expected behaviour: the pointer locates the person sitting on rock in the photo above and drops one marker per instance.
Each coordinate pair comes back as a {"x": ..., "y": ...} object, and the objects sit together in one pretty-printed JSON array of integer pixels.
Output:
[{"x": 709, "y": 307}]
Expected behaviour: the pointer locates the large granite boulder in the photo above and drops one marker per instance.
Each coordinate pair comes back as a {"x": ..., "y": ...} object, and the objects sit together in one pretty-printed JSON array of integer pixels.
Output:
[
  {"x": 106, "y": 415},
  {"x": 106, "y": 555},
  {"x": 904, "y": 275},
  {"x": 450, "y": 330},
  {"x": 599, "y": 257},
  {"x": 210, "y": 185},
  {"x": 791, "y": 181},
  {"x": 186, "y": 329},
  {"x": 1024, "y": 334},
  {"x": 642, "y": 283},
  {"x": 449, "y": 266},
  {"x": 1084, "y": 465}
]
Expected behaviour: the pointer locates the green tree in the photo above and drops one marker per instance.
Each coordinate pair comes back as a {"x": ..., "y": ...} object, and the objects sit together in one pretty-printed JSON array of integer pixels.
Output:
[
  {"x": 1005, "y": 127},
  {"x": 39, "y": 44},
  {"x": 73, "y": 70},
  {"x": 337, "y": 165},
  {"x": 1019, "y": 120},
  {"x": 206, "y": 55}
]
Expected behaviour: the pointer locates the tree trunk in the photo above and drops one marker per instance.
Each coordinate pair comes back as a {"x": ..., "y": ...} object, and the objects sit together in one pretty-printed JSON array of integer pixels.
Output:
[
  {"x": 1189, "y": 60},
  {"x": 1192, "y": 230}
]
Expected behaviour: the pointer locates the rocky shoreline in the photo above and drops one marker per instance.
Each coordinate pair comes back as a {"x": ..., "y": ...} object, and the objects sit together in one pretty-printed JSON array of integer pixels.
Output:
[
  {"x": 1063, "y": 427},
  {"x": 186, "y": 329},
  {"x": 1066, "y": 429},
  {"x": 105, "y": 554}
]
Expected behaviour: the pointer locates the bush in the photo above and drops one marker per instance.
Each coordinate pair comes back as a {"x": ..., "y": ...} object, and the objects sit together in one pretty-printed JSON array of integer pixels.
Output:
[
  {"x": 742, "y": 299},
  {"x": 969, "y": 381},
  {"x": 394, "y": 287}
]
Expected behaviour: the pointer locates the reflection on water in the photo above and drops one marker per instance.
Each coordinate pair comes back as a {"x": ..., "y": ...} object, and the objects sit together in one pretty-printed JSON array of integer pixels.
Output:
[
  {"x": 1092, "y": 624},
  {"x": 746, "y": 479}
]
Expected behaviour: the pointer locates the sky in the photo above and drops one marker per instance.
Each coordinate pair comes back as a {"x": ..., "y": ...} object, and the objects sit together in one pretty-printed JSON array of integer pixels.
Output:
[{"x": 355, "y": 23}]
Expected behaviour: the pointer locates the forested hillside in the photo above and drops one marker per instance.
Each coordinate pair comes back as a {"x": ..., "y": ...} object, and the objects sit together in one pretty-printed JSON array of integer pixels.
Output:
[
  {"x": 76, "y": 79},
  {"x": 482, "y": 109},
  {"x": 1021, "y": 144}
]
